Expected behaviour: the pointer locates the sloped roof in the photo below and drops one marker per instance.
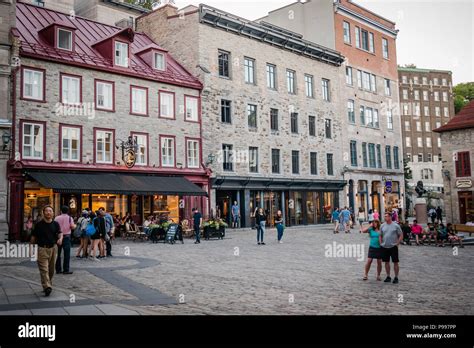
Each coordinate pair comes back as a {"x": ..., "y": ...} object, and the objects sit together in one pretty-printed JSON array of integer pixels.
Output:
[
  {"x": 32, "y": 19},
  {"x": 463, "y": 120}
]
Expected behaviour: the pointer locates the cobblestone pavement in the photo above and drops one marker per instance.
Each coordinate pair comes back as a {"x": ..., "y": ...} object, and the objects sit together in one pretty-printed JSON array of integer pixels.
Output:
[{"x": 237, "y": 276}]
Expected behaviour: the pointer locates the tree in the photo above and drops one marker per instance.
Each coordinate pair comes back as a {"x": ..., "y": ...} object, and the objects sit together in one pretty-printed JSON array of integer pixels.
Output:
[
  {"x": 463, "y": 94},
  {"x": 143, "y": 3}
]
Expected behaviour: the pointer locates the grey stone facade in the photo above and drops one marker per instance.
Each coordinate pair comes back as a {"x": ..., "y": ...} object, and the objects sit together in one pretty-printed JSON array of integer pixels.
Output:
[{"x": 197, "y": 45}]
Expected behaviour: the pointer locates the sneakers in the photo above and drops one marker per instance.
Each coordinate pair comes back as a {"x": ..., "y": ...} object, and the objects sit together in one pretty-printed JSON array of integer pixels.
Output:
[
  {"x": 395, "y": 280},
  {"x": 68, "y": 272},
  {"x": 259, "y": 243},
  {"x": 387, "y": 280},
  {"x": 47, "y": 292},
  {"x": 280, "y": 242},
  {"x": 262, "y": 243}
]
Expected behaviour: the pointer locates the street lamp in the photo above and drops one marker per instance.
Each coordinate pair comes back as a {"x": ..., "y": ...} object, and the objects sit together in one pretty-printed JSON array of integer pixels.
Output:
[
  {"x": 6, "y": 138},
  {"x": 210, "y": 159}
]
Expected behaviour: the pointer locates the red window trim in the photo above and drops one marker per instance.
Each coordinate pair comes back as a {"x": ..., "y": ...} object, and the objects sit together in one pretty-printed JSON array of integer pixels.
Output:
[
  {"x": 186, "y": 152},
  {"x": 61, "y": 74},
  {"x": 160, "y": 91},
  {"x": 95, "y": 129},
  {"x": 129, "y": 54},
  {"x": 96, "y": 107},
  {"x": 60, "y": 154},
  {"x": 160, "y": 136},
  {"x": 43, "y": 123},
  {"x": 22, "y": 97},
  {"x": 146, "y": 114},
  {"x": 56, "y": 38},
  {"x": 463, "y": 164},
  {"x": 198, "y": 108},
  {"x": 147, "y": 164}
]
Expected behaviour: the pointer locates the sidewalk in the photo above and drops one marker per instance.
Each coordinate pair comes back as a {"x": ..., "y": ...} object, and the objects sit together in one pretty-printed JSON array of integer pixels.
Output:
[{"x": 22, "y": 297}]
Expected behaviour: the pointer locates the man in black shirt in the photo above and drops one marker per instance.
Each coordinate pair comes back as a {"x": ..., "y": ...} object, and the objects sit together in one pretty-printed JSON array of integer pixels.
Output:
[
  {"x": 47, "y": 234},
  {"x": 197, "y": 217}
]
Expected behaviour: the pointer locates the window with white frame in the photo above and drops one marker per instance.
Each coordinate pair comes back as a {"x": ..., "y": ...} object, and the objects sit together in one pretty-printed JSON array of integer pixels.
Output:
[
  {"x": 325, "y": 89},
  {"x": 437, "y": 111},
  {"x": 406, "y": 110},
  {"x": 385, "y": 48},
  {"x": 166, "y": 105},
  {"x": 347, "y": 32},
  {"x": 439, "y": 141},
  {"x": 408, "y": 141},
  {"x": 369, "y": 117},
  {"x": 32, "y": 141},
  {"x": 350, "y": 111},
  {"x": 420, "y": 157},
  {"x": 249, "y": 70},
  {"x": 446, "y": 111},
  {"x": 429, "y": 157},
  {"x": 359, "y": 79},
  {"x": 70, "y": 89},
  {"x": 104, "y": 146},
  {"x": 192, "y": 112},
  {"x": 420, "y": 141},
  {"x": 357, "y": 36},
  {"x": 64, "y": 39},
  {"x": 417, "y": 111},
  {"x": 445, "y": 82},
  {"x": 417, "y": 95},
  {"x": 70, "y": 143},
  {"x": 428, "y": 141},
  {"x": 418, "y": 126},
  {"x": 373, "y": 83},
  {"x": 308, "y": 82},
  {"x": 366, "y": 81},
  {"x": 33, "y": 84},
  {"x": 425, "y": 80},
  {"x": 445, "y": 96},
  {"x": 376, "y": 119},
  {"x": 139, "y": 100},
  {"x": 415, "y": 80},
  {"x": 436, "y": 96},
  {"x": 271, "y": 76},
  {"x": 407, "y": 125},
  {"x": 371, "y": 43},
  {"x": 426, "y": 110},
  {"x": 159, "y": 61},
  {"x": 104, "y": 95},
  {"x": 425, "y": 95},
  {"x": 167, "y": 152},
  {"x": 435, "y": 81},
  {"x": 192, "y": 153},
  {"x": 290, "y": 81},
  {"x": 388, "y": 90},
  {"x": 405, "y": 93},
  {"x": 142, "y": 155},
  {"x": 438, "y": 124},
  {"x": 427, "y": 126},
  {"x": 404, "y": 79},
  {"x": 349, "y": 75},
  {"x": 121, "y": 54},
  {"x": 389, "y": 120}
]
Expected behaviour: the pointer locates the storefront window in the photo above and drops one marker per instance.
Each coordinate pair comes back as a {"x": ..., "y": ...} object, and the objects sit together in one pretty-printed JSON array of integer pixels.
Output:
[
  {"x": 328, "y": 206},
  {"x": 312, "y": 207},
  {"x": 35, "y": 198},
  {"x": 362, "y": 195},
  {"x": 168, "y": 205},
  {"x": 392, "y": 199}
]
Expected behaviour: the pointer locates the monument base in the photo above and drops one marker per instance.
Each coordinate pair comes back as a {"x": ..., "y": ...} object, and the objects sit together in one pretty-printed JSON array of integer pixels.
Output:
[{"x": 421, "y": 214}]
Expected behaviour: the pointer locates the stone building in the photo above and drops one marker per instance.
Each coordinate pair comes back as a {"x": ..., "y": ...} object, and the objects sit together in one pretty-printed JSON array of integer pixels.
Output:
[
  {"x": 372, "y": 144},
  {"x": 7, "y": 68},
  {"x": 457, "y": 137},
  {"x": 426, "y": 103},
  {"x": 271, "y": 108},
  {"x": 109, "y": 119}
]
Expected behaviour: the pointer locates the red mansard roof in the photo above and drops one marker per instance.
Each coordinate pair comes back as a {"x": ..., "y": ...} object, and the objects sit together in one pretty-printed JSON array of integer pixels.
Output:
[
  {"x": 463, "y": 120},
  {"x": 32, "y": 19}
]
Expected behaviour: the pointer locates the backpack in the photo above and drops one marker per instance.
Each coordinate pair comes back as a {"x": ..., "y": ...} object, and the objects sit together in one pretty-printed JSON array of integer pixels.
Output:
[
  {"x": 78, "y": 232},
  {"x": 90, "y": 228}
]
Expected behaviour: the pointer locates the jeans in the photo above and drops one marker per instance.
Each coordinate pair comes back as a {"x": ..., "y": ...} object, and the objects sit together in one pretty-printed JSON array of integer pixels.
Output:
[
  {"x": 66, "y": 246},
  {"x": 280, "y": 231},
  {"x": 196, "y": 232},
  {"x": 260, "y": 231}
]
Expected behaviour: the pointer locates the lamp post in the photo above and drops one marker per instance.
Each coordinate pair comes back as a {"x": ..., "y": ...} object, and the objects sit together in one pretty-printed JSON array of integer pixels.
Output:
[{"x": 6, "y": 138}]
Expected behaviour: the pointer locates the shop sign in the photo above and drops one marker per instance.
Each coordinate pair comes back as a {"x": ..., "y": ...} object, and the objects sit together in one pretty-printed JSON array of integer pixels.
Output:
[
  {"x": 388, "y": 187},
  {"x": 463, "y": 183}
]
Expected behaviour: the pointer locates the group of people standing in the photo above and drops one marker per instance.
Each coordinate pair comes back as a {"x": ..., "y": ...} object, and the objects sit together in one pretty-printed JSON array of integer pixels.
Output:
[
  {"x": 260, "y": 224},
  {"x": 52, "y": 235}
]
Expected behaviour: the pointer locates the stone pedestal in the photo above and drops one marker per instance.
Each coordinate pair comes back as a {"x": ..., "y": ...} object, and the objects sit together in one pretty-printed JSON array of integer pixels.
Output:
[{"x": 420, "y": 211}]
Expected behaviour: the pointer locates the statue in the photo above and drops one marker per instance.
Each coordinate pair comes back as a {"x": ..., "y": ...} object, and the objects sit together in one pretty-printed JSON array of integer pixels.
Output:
[{"x": 419, "y": 189}]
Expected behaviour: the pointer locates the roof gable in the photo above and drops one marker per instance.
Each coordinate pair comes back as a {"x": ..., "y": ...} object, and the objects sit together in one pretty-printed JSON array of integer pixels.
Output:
[{"x": 463, "y": 120}]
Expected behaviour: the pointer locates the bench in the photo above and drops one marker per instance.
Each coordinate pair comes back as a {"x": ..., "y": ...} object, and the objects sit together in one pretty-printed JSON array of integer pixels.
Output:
[{"x": 463, "y": 228}]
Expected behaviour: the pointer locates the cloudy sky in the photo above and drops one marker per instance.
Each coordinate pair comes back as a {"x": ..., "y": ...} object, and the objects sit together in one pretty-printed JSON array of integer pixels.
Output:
[{"x": 433, "y": 34}]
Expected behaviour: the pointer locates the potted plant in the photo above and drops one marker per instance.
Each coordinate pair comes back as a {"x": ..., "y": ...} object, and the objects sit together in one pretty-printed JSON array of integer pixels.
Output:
[{"x": 214, "y": 228}]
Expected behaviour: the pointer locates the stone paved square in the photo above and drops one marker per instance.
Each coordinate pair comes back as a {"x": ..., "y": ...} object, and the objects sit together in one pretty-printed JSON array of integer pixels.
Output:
[{"x": 237, "y": 276}]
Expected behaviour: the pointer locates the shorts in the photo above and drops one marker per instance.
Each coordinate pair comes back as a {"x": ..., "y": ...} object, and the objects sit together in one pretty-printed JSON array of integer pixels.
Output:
[
  {"x": 375, "y": 253},
  {"x": 442, "y": 237},
  {"x": 235, "y": 219},
  {"x": 388, "y": 253}
]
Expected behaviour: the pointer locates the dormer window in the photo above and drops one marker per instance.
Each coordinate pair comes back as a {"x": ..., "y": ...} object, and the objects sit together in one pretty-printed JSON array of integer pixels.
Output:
[
  {"x": 159, "y": 61},
  {"x": 64, "y": 40},
  {"x": 121, "y": 54}
]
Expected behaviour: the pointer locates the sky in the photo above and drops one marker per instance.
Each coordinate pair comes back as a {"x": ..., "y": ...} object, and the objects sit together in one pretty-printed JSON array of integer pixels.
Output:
[{"x": 434, "y": 34}]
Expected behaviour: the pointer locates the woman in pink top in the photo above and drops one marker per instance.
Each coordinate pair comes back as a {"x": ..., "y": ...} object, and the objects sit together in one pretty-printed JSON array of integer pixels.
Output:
[
  {"x": 376, "y": 214},
  {"x": 416, "y": 230}
]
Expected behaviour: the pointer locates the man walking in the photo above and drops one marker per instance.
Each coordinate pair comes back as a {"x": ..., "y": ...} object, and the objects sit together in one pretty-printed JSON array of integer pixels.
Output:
[
  {"x": 47, "y": 234},
  {"x": 390, "y": 237},
  {"x": 335, "y": 219},
  {"x": 197, "y": 218},
  {"x": 66, "y": 223},
  {"x": 346, "y": 215},
  {"x": 235, "y": 215}
]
